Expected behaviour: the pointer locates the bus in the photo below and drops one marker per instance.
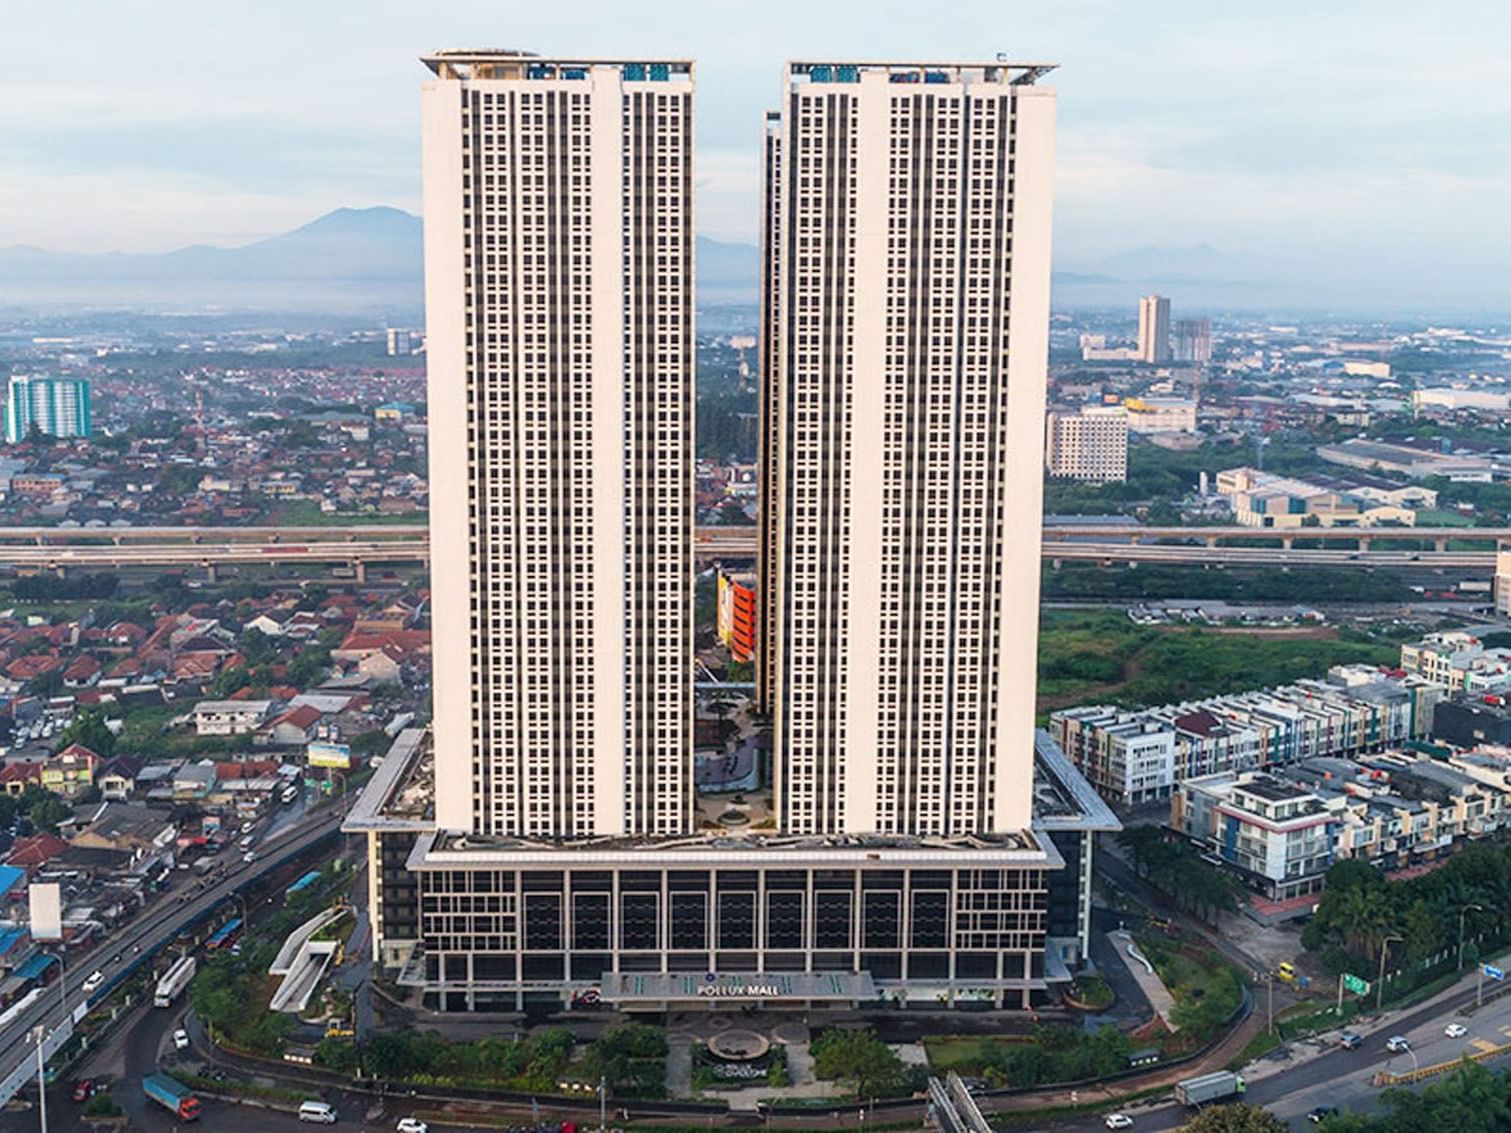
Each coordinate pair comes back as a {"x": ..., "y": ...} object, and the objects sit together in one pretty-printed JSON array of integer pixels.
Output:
[{"x": 225, "y": 935}]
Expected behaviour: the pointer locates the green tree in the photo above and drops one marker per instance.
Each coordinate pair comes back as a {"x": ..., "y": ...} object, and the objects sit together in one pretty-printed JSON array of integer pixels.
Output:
[
  {"x": 1240, "y": 1118},
  {"x": 88, "y": 729},
  {"x": 862, "y": 1061},
  {"x": 1421, "y": 931}
]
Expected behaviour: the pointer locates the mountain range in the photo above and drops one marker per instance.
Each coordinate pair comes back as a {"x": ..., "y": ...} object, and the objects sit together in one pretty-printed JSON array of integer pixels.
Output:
[{"x": 370, "y": 260}]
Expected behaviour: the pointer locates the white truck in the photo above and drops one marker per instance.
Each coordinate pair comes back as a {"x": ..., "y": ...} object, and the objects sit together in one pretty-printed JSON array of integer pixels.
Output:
[
  {"x": 1209, "y": 1088},
  {"x": 174, "y": 982}
]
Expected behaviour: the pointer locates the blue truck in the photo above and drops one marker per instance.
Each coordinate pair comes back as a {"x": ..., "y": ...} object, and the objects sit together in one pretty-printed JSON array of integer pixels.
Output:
[{"x": 172, "y": 1095}]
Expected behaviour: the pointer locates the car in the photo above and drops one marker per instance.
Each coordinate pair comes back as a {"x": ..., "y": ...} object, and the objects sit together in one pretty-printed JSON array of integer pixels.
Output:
[
  {"x": 249, "y": 857},
  {"x": 83, "y": 1090},
  {"x": 1321, "y": 1113},
  {"x": 1348, "y": 1040},
  {"x": 1455, "y": 1030},
  {"x": 181, "y": 1039},
  {"x": 1118, "y": 1121},
  {"x": 246, "y": 843},
  {"x": 1397, "y": 1044},
  {"x": 95, "y": 979},
  {"x": 411, "y": 1125}
]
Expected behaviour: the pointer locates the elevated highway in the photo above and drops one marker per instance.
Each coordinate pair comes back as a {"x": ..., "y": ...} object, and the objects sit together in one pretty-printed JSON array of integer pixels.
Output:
[
  {"x": 120, "y": 954},
  {"x": 57, "y": 549}
]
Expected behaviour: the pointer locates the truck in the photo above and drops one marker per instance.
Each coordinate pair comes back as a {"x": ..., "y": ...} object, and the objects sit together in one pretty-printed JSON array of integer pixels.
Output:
[
  {"x": 172, "y": 1095},
  {"x": 1209, "y": 1088},
  {"x": 174, "y": 982}
]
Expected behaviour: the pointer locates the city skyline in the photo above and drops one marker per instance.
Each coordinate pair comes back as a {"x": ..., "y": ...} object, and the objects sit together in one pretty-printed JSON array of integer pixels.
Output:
[{"x": 1172, "y": 137}]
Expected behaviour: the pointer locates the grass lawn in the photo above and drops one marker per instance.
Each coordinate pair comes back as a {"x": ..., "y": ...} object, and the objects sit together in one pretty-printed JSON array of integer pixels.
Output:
[
  {"x": 965, "y": 1054},
  {"x": 307, "y": 513},
  {"x": 1090, "y": 656}
]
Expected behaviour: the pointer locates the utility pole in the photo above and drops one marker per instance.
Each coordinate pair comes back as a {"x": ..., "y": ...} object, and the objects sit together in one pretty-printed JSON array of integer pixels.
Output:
[
  {"x": 1465, "y": 909},
  {"x": 603, "y": 1095},
  {"x": 1339, "y": 1010},
  {"x": 1380, "y": 982},
  {"x": 1269, "y": 983}
]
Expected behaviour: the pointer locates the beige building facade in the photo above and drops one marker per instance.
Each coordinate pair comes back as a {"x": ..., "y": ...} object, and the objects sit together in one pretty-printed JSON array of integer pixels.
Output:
[{"x": 559, "y": 297}]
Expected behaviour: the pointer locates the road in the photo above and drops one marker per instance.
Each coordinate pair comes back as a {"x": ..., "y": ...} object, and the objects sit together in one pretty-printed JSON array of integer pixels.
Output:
[
  {"x": 117, "y": 956},
  {"x": 1289, "y": 1088},
  {"x": 212, "y": 547}
]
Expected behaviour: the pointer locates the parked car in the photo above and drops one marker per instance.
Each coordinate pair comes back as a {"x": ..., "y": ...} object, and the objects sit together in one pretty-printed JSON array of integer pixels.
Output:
[
  {"x": 249, "y": 857},
  {"x": 83, "y": 1090},
  {"x": 1118, "y": 1121},
  {"x": 411, "y": 1125}
]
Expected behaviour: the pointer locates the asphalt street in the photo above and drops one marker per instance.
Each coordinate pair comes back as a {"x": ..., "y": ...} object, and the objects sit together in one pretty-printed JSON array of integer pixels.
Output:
[{"x": 118, "y": 956}]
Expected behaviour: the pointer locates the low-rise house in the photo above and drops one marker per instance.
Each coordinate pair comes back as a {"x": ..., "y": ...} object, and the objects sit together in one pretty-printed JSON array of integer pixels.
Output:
[
  {"x": 229, "y": 717},
  {"x": 194, "y": 780},
  {"x": 82, "y": 672},
  {"x": 34, "y": 851},
  {"x": 15, "y": 777},
  {"x": 128, "y": 826},
  {"x": 292, "y": 728},
  {"x": 70, "y": 771},
  {"x": 117, "y": 777}
]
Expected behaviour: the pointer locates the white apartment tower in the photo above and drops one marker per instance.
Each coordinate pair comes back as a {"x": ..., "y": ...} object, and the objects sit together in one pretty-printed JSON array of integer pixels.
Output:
[
  {"x": 906, "y": 313},
  {"x": 1090, "y": 445},
  {"x": 559, "y": 299},
  {"x": 1154, "y": 329}
]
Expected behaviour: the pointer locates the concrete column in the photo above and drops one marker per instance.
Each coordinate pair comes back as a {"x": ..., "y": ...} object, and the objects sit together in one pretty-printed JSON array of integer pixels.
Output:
[{"x": 361, "y": 568}]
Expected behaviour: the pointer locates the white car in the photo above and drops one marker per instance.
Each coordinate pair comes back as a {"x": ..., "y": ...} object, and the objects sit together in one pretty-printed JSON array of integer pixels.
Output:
[
  {"x": 96, "y": 978},
  {"x": 1118, "y": 1121},
  {"x": 411, "y": 1125},
  {"x": 1397, "y": 1044},
  {"x": 181, "y": 1039},
  {"x": 1455, "y": 1030},
  {"x": 249, "y": 857}
]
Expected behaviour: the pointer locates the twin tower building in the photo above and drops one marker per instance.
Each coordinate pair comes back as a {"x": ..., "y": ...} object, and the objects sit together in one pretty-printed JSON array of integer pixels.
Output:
[{"x": 906, "y": 216}]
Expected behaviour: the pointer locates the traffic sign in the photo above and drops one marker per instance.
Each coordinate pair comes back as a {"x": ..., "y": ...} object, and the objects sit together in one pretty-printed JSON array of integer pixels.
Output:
[
  {"x": 1493, "y": 973},
  {"x": 1355, "y": 984}
]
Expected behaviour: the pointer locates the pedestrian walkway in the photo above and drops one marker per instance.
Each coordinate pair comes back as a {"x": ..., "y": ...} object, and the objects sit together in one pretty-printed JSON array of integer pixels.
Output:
[{"x": 1145, "y": 976}]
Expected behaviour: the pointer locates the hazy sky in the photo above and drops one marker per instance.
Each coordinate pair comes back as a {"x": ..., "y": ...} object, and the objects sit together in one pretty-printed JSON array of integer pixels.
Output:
[{"x": 1349, "y": 138}]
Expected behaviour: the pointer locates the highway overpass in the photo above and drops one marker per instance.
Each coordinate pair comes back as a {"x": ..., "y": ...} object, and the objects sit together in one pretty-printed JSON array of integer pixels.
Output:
[{"x": 55, "y": 549}]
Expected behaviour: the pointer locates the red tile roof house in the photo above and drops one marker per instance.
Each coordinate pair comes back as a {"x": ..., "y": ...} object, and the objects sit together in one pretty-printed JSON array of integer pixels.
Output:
[
  {"x": 15, "y": 777},
  {"x": 31, "y": 667},
  {"x": 82, "y": 672},
  {"x": 292, "y": 728},
  {"x": 35, "y": 850}
]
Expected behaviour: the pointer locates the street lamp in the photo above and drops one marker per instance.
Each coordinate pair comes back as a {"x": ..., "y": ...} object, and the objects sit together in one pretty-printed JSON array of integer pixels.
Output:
[
  {"x": 1465, "y": 909},
  {"x": 41, "y": 1033},
  {"x": 1380, "y": 980}
]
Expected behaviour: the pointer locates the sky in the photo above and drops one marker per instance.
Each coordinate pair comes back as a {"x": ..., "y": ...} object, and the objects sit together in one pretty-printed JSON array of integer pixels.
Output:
[{"x": 1365, "y": 142}]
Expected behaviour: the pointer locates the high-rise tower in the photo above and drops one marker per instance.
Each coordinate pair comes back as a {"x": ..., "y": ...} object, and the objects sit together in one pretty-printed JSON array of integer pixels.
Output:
[
  {"x": 1154, "y": 329},
  {"x": 906, "y": 301},
  {"x": 559, "y": 299}
]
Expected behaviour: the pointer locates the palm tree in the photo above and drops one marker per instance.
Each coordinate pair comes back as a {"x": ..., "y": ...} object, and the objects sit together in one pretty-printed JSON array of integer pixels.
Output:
[{"x": 1365, "y": 917}]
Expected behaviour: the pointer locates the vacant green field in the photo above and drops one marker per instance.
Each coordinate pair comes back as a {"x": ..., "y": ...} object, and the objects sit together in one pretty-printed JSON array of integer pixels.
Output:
[{"x": 1099, "y": 655}]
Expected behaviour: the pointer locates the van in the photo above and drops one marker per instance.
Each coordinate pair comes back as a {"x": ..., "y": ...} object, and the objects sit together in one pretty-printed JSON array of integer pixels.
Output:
[
  {"x": 246, "y": 843},
  {"x": 318, "y": 1113}
]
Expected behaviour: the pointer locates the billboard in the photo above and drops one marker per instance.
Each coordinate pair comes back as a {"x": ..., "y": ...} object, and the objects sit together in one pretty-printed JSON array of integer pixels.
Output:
[
  {"x": 322, "y": 753},
  {"x": 46, "y": 902}
]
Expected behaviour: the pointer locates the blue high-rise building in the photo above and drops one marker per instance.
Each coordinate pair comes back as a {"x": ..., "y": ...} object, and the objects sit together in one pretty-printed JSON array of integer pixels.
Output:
[{"x": 58, "y": 407}]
